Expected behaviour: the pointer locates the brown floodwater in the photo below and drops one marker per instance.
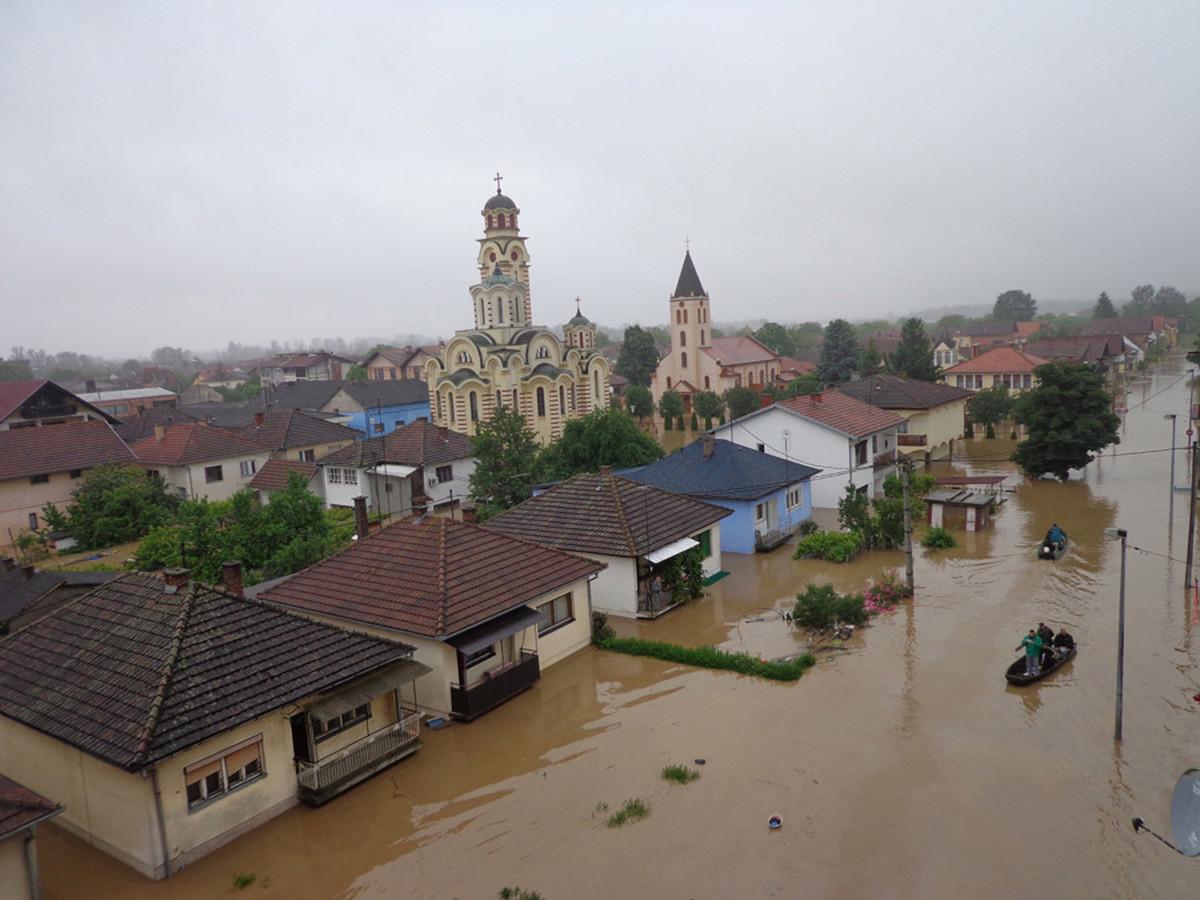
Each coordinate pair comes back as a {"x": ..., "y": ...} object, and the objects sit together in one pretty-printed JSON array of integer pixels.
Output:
[{"x": 902, "y": 764}]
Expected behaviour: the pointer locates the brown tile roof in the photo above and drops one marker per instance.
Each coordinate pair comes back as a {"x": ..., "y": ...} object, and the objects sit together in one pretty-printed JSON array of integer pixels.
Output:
[
  {"x": 897, "y": 392},
  {"x": 273, "y": 476},
  {"x": 191, "y": 442},
  {"x": 789, "y": 364},
  {"x": 132, "y": 674},
  {"x": 739, "y": 349},
  {"x": 841, "y": 413},
  {"x": 59, "y": 448},
  {"x": 1129, "y": 325},
  {"x": 998, "y": 359},
  {"x": 1079, "y": 347},
  {"x": 136, "y": 427},
  {"x": 609, "y": 515},
  {"x": 284, "y": 429},
  {"x": 994, "y": 328},
  {"x": 433, "y": 578},
  {"x": 14, "y": 393},
  {"x": 20, "y": 807},
  {"x": 1028, "y": 329},
  {"x": 416, "y": 444}
]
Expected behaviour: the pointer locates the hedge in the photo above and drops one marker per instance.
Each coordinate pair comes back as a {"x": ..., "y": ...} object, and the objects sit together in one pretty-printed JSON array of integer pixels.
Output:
[{"x": 710, "y": 658}]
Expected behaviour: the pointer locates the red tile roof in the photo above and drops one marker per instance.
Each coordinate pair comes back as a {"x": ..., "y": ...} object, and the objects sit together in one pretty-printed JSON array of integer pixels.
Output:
[
  {"x": 274, "y": 474},
  {"x": 1028, "y": 329},
  {"x": 20, "y": 807},
  {"x": 998, "y": 359},
  {"x": 790, "y": 364},
  {"x": 433, "y": 578},
  {"x": 419, "y": 443},
  {"x": 132, "y": 673},
  {"x": 285, "y": 429},
  {"x": 609, "y": 515},
  {"x": 740, "y": 349},
  {"x": 14, "y": 393},
  {"x": 191, "y": 442},
  {"x": 898, "y": 392},
  {"x": 1128, "y": 326},
  {"x": 842, "y": 413},
  {"x": 60, "y": 448}
]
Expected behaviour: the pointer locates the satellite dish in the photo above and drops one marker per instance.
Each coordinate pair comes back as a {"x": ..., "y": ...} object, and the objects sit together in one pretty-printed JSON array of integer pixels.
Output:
[{"x": 1185, "y": 813}]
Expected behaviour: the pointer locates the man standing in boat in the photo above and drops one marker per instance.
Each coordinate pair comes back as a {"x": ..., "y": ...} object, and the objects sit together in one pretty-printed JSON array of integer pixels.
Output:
[{"x": 1033, "y": 652}]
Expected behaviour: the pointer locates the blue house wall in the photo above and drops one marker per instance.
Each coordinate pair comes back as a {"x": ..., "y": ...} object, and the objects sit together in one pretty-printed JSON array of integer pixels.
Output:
[
  {"x": 392, "y": 417},
  {"x": 737, "y": 531}
]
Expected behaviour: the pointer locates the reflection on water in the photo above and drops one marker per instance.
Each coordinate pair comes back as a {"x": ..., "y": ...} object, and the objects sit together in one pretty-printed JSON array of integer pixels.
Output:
[{"x": 904, "y": 767}]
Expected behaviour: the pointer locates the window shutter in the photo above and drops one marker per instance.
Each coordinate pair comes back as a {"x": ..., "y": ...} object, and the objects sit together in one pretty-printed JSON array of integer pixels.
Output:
[
  {"x": 240, "y": 758},
  {"x": 199, "y": 773}
]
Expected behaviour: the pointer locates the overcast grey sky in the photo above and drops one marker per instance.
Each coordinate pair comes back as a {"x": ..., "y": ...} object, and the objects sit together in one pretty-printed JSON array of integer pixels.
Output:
[{"x": 193, "y": 173}]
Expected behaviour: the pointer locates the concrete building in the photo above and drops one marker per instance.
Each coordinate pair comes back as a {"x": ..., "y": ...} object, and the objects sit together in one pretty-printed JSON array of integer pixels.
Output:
[
  {"x": 35, "y": 402},
  {"x": 318, "y": 365},
  {"x": 400, "y": 363}
]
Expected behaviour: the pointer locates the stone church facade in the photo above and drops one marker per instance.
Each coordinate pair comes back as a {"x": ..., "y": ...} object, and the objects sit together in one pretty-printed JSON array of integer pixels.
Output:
[{"x": 508, "y": 361}]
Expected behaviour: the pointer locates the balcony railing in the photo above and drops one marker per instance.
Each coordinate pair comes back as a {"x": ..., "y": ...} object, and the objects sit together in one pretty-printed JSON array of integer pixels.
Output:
[
  {"x": 651, "y": 605},
  {"x": 495, "y": 687},
  {"x": 886, "y": 458},
  {"x": 911, "y": 440},
  {"x": 328, "y": 777}
]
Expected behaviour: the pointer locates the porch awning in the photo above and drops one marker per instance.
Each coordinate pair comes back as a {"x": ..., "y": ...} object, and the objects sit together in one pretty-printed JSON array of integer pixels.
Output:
[
  {"x": 366, "y": 689},
  {"x": 500, "y": 627},
  {"x": 672, "y": 549},
  {"x": 394, "y": 470}
]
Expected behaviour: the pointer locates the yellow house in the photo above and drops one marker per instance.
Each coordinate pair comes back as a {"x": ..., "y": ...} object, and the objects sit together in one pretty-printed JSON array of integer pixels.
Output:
[
  {"x": 169, "y": 717},
  {"x": 486, "y": 612},
  {"x": 1008, "y": 366},
  {"x": 935, "y": 413},
  {"x": 21, "y": 811}
]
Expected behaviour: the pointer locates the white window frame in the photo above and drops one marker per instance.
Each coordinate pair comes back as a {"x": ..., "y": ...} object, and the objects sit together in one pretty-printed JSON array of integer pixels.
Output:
[
  {"x": 222, "y": 771},
  {"x": 350, "y": 477},
  {"x": 334, "y": 475},
  {"x": 247, "y": 467}
]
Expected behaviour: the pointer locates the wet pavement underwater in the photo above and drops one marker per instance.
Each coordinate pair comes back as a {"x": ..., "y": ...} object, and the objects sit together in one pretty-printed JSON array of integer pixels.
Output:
[{"x": 903, "y": 766}]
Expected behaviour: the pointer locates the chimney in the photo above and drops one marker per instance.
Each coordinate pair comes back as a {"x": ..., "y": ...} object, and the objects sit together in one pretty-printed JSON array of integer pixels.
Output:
[
  {"x": 177, "y": 577},
  {"x": 605, "y": 471},
  {"x": 90, "y": 384},
  {"x": 258, "y": 420},
  {"x": 816, "y": 398},
  {"x": 27, "y": 570},
  {"x": 231, "y": 577},
  {"x": 709, "y": 443},
  {"x": 361, "y": 527},
  {"x": 160, "y": 432},
  {"x": 8, "y": 563}
]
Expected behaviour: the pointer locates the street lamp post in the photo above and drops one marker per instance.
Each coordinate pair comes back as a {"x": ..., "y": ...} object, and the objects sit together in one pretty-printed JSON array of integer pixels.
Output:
[
  {"x": 1171, "y": 504},
  {"x": 1122, "y": 534}
]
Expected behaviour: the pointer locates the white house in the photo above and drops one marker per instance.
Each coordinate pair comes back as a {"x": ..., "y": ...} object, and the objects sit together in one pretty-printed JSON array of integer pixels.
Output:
[
  {"x": 851, "y": 442},
  {"x": 199, "y": 461}
]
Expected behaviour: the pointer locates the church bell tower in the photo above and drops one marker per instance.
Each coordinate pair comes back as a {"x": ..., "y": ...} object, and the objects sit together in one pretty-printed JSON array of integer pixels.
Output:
[{"x": 502, "y": 296}]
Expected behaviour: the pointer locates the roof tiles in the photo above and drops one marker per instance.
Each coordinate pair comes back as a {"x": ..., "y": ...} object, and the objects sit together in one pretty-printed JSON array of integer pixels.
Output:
[
  {"x": 60, "y": 448},
  {"x": 998, "y": 359},
  {"x": 192, "y": 442},
  {"x": 842, "y": 413},
  {"x": 897, "y": 392}
]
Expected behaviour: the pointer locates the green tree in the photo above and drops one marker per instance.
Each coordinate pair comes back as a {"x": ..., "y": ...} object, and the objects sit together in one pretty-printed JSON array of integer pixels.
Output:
[
  {"x": 1169, "y": 301},
  {"x": 913, "y": 357},
  {"x": 638, "y": 357},
  {"x": 670, "y": 407},
  {"x": 356, "y": 373},
  {"x": 606, "y": 437},
  {"x": 870, "y": 360},
  {"x": 1069, "y": 416},
  {"x": 708, "y": 405},
  {"x": 506, "y": 463},
  {"x": 775, "y": 336},
  {"x": 838, "y": 353},
  {"x": 1015, "y": 306},
  {"x": 112, "y": 505},
  {"x": 1104, "y": 308},
  {"x": 806, "y": 335},
  {"x": 1141, "y": 301},
  {"x": 639, "y": 401},
  {"x": 803, "y": 385},
  {"x": 741, "y": 401},
  {"x": 15, "y": 370},
  {"x": 990, "y": 407}
]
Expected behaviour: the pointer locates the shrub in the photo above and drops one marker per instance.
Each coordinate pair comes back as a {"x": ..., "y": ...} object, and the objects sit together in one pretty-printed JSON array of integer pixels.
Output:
[
  {"x": 820, "y": 606},
  {"x": 30, "y": 546},
  {"x": 515, "y": 893},
  {"x": 711, "y": 658},
  {"x": 887, "y": 591},
  {"x": 632, "y": 811},
  {"x": 807, "y": 527},
  {"x": 244, "y": 879},
  {"x": 680, "y": 774},
  {"x": 835, "y": 546},
  {"x": 938, "y": 538},
  {"x": 601, "y": 630}
]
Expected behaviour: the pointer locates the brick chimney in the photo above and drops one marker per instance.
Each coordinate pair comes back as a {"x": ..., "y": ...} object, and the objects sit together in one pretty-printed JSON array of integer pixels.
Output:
[
  {"x": 605, "y": 471},
  {"x": 361, "y": 524},
  {"x": 231, "y": 577},
  {"x": 160, "y": 432},
  {"x": 816, "y": 398},
  {"x": 258, "y": 420},
  {"x": 177, "y": 577},
  {"x": 709, "y": 444}
]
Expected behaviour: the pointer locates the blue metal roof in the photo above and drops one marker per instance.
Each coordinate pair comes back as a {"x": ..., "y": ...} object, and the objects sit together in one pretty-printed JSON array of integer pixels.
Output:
[{"x": 732, "y": 472}]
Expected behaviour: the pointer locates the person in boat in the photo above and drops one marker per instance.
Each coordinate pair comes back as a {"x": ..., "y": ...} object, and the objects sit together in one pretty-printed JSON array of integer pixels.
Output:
[
  {"x": 1055, "y": 536},
  {"x": 1064, "y": 642},
  {"x": 1046, "y": 634},
  {"x": 1033, "y": 652}
]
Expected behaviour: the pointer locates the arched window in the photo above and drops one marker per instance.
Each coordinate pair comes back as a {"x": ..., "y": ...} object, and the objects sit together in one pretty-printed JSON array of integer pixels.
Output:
[
  {"x": 596, "y": 384},
  {"x": 707, "y": 385},
  {"x": 450, "y": 400},
  {"x": 668, "y": 382},
  {"x": 499, "y": 309},
  {"x": 683, "y": 360},
  {"x": 562, "y": 400},
  {"x": 701, "y": 337},
  {"x": 683, "y": 339},
  {"x": 464, "y": 356},
  {"x": 441, "y": 409},
  {"x": 541, "y": 401},
  {"x": 499, "y": 400},
  {"x": 500, "y": 220},
  {"x": 473, "y": 400},
  {"x": 685, "y": 317},
  {"x": 489, "y": 220},
  {"x": 543, "y": 352}
]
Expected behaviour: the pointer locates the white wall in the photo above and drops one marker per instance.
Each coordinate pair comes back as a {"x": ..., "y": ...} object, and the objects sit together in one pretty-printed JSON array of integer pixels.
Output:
[
  {"x": 188, "y": 481},
  {"x": 615, "y": 589},
  {"x": 458, "y": 487}
]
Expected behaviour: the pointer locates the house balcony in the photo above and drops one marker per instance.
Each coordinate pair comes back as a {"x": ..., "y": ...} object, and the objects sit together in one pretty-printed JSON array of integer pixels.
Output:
[
  {"x": 326, "y": 778},
  {"x": 495, "y": 687},
  {"x": 651, "y": 605},
  {"x": 886, "y": 458},
  {"x": 911, "y": 440}
]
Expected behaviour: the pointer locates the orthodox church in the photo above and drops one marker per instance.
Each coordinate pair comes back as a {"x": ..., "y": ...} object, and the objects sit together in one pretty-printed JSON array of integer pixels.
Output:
[{"x": 506, "y": 360}]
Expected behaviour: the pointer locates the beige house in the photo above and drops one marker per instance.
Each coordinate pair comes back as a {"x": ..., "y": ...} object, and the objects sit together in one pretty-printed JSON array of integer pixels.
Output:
[
  {"x": 40, "y": 466},
  {"x": 1008, "y": 366},
  {"x": 318, "y": 365},
  {"x": 485, "y": 612},
  {"x": 506, "y": 360},
  {"x": 400, "y": 363},
  {"x": 935, "y": 413},
  {"x": 35, "y": 402},
  {"x": 295, "y": 434},
  {"x": 170, "y": 717},
  {"x": 21, "y": 812},
  {"x": 197, "y": 461}
]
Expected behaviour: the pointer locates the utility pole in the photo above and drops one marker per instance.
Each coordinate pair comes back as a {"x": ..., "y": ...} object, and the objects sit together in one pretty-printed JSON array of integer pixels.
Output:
[
  {"x": 905, "y": 468},
  {"x": 1187, "y": 575},
  {"x": 1171, "y": 502},
  {"x": 1121, "y": 643}
]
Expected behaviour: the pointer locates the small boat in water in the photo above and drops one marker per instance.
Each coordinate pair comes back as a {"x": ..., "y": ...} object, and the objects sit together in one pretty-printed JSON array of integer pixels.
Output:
[
  {"x": 1016, "y": 672},
  {"x": 1052, "y": 549}
]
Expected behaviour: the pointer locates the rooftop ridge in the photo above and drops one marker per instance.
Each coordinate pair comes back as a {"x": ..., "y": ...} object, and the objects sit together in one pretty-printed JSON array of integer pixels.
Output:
[
  {"x": 443, "y": 593},
  {"x": 168, "y": 670}
]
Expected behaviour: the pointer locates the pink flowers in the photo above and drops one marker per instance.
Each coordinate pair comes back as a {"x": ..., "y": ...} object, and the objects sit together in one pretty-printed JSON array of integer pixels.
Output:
[{"x": 883, "y": 596}]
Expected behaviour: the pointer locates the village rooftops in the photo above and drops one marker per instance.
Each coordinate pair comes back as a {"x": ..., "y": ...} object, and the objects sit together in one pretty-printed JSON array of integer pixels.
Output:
[
  {"x": 837, "y": 412},
  {"x": 135, "y": 427},
  {"x": 739, "y": 350},
  {"x": 21, "y": 808},
  {"x": 142, "y": 393},
  {"x": 16, "y": 394},
  {"x": 274, "y": 474},
  {"x": 727, "y": 471},
  {"x": 897, "y": 392},
  {"x": 998, "y": 359},
  {"x": 419, "y": 443},
  {"x": 608, "y": 515},
  {"x": 136, "y": 671},
  {"x": 60, "y": 448},
  {"x": 996, "y": 328},
  {"x": 366, "y": 394},
  {"x": 1088, "y": 348},
  {"x": 283, "y": 429},
  {"x": 1129, "y": 325},
  {"x": 433, "y": 578},
  {"x": 401, "y": 356},
  {"x": 192, "y": 442}
]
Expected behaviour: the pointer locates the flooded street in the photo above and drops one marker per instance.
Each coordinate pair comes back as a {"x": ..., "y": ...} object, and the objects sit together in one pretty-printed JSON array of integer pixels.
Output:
[{"x": 903, "y": 766}]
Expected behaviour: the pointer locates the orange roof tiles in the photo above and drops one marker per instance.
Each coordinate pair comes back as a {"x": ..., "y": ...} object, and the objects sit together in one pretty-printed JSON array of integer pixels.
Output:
[{"x": 998, "y": 359}]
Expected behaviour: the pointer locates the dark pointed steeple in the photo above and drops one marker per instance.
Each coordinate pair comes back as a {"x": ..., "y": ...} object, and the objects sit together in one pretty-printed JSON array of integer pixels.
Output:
[{"x": 689, "y": 282}]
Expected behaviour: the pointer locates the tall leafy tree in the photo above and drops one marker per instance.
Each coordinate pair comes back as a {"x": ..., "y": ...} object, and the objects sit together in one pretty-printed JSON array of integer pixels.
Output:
[
  {"x": 839, "y": 352},
  {"x": 742, "y": 401},
  {"x": 1015, "y": 306},
  {"x": 708, "y": 406},
  {"x": 606, "y": 437},
  {"x": 990, "y": 407},
  {"x": 776, "y": 337},
  {"x": 114, "y": 504},
  {"x": 639, "y": 356},
  {"x": 1104, "y": 308},
  {"x": 1170, "y": 301},
  {"x": 806, "y": 335},
  {"x": 1141, "y": 301},
  {"x": 802, "y": 385},
  {"x": 913, "y": 357},
  {"x": 639, "y": 401},
  {"x": 869, "y": 360},
  {"x": 1069, "y": 416},
  {"x": 507, "y": 463},
  {"x": 670, "y": 407}
]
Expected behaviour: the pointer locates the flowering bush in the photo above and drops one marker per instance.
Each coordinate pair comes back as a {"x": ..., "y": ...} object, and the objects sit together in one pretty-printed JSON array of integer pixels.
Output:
[
  {"x": 885, "y": 594},
  {"x": 835, "y": 546}
]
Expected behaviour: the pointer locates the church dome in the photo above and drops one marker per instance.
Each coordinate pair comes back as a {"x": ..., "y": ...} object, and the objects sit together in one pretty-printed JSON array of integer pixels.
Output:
[
  {"x": 499, "y": 201},
  {"x": 579, "y": 320}
]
